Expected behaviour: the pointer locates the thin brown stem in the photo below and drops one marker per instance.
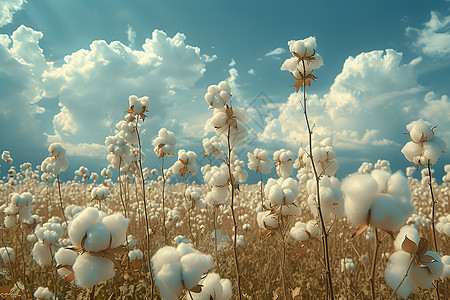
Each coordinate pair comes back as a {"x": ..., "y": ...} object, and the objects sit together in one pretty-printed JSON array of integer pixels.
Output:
[
  {"x": 163, "y": 201},
  {"x": 404, "y": 277},
  {"x": 374, "y": 264},
  {"x": 433, "y": 219},
  {"x": 61, "y": 201}
]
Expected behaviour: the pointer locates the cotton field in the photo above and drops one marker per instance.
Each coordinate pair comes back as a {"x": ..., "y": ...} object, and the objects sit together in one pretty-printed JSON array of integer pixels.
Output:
[{"x": 299, "y": 233}]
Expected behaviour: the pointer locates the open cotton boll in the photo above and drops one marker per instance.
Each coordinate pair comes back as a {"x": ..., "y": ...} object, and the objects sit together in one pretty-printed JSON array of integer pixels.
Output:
[
  {"x": 135, "y": 254},
  {"x": 80, "y": 225},
  {"x": 56, "y": 150},
  {"x": 97, "y": 238},
  {"x": 90, "y": 270},
  {"x": 420, "y": 131},
  {"x": 300, "y": 232},
  {"x": 42, "y": 254},
  {"x": 43, "y": 293},
  {"x": 65, "y": 257},
  {"x": 214, "y": 287},
  {"x": 164, "y": 143},
  {"x": 193, "y": 266},
  {"x": 433, "y": 149},
  {"x": 446, "y": 268},
  {"x": 266, "y": 220},
  {"x": 7, "y": 255},
  {"x": 395, "y": 272},
  {"x": 117, "y": 225}
]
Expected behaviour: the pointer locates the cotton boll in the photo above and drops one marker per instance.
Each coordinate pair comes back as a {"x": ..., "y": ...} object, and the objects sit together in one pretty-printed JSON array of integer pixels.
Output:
[
  {"x": 194, "y": 265},
  {"x": 386, "y": 213},
  {"x": 80, "y": 225},
  {"x": 117, "y": 226},
  {"x": 358, "y": 190},
  {"x": 97, "y": 238},
  {"x": 65, "y": 257},
  {"x": 406, "y": 231},
  {"x": 411, "y": 150},
  {"x": 446, "y": 267},
  {"x": 299, "y": 232},
  {"x": 266, "y": 220},
  {"x": 381, "y": 177},
  {"x": 395, "y": 272},
  {"x": 432, "y": 149},
  {"x": 90, "y": 270},
  {"x": 420, "y": 131},
  {"x": 10, "y": 221},
  {"x": 7, "y": 255},
  {"x": 43, "y": 293},
  {"x": 42, "y": 254}
]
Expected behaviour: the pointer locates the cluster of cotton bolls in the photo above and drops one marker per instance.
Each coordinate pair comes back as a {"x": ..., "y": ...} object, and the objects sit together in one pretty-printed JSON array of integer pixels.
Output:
[
  {"x": 120, "y": 153},
  {"x": 426, "y": 176},
  {"x": 305, "y": 59},
  {"x": 56, "y": 162},
  {"x": 91, "y": 232},
  {"x": 331, "y": 197},
  {"x": 282, "y": 193},
  {"x": 238, "y": 167},
  {"x": 173, "y": 216},
  {"x": 212, "y": 146},
  {"x": 138, "y": 106},
  {"x": 323, "y": 155},
  {"x": 305, "y": 231},
  {"x": 100, "y": 193},
  {"x": 424, "y": 147},
  {"x": 49, "y": 236},
  {"x": 186, "y": 163},
  {"x": 283, "y": 162},
  {"x": 178, "y": 268},
  {"x": 193, "y": 196},
  {"x": 19, "y": 209},
  {"x": 165, "y": 143},
  {"x": 419, "y": 219},
  {"x": 6, "y": 156},
  {"x": 347, "y": 265},
  {"x": 106, "y": 172},
  {"x": 379, "y": 198},
  {"x": 43, "y": 293},
  {"x": 7, "y": 255},
  {"x": 259, "y": 161},
  {"x": 83, "y": 172},
  {"x": 426, "y": 267},
  {"x": 71, "y": 211},
  {"x": 128, "y": 131},
  {"x": 217, "y": 179},
  {"x": 229, "y": 121},
  {"x": 222, "y": 241},
  {"x": 218, "y": 95},
  {"x": 443, "y": 226}
]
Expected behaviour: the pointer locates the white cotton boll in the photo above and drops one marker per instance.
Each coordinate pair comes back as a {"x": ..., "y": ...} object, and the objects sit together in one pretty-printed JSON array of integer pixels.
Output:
[
  {"x": 42, "y": 254},
  {"x": 97, "y": 238},
  {"x": 386, "y": 213},
  {"x": 168, "y": 280},
  {"x": 411, "y": 150},
  {"x": 10, "y": 221},
  {"x": 266, "y": 220},
  {"x": 359, "y": 194},
  {"x": 135, "y": 254},
  {"x": 381, "y": 177},
  {"x": 213, "y": 89},
  {"x": 398, "y": 185},
  {"x": 432, "y": 149},
  {"x": 164, "y": 256},
  {"x": 79, "y": 226},
  {"x": 90, "y": 270},
  {"x": 117, "y": 226},
  {"x": 299, "y": 232},
  {"x": 213, "y": 287},
  {"x": 209, "y": 97},
  {"x": 7, "y": 255},
  {"x": 313, "y": 228},
  {"x": 421, "y": 131},
  {"x": 224, "y": 86},
  {"x": 132, "y": 100},
  {"x": 193, "y": 266},
  {"x": 446, "y": 268},
  {"x": 299, "y": 48},
  {"x": 65, "y": 257},
  {"x": 395, "y": 272},
  {"x": 225, "y": 96},
  {"x": 56, "y": 150},
  {"x": 43, "y": 293}
]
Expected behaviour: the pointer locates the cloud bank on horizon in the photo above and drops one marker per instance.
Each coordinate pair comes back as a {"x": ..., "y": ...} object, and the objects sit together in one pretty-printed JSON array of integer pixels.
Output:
[{"x": 366, "y": 108}]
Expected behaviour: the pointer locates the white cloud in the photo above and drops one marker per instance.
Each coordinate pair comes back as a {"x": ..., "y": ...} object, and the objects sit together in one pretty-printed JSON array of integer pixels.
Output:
[
  {"x": 251, "y": 72},
  {"x": 276, "y": 51},
  {"x": 368, "y": 105},
  {"x": 434, "y": 38},
  {"x": 232, "y": 63},
  {"x": 7, "y": 10},
  {"x": 93, "y": 85},
  {"x": 131, "y": 34}
]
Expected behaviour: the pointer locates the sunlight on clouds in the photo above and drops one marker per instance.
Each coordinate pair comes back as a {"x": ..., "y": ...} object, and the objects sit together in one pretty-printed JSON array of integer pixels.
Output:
[
  {"x": 7, "y": 10},
  {"x": 434, "y": 38}
]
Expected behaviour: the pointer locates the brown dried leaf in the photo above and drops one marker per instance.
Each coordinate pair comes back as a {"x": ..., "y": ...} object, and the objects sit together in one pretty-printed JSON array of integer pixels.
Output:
[
  {"x": 196, "y": 289},
  {"x": 232, "y": 123},
  {"x": 136, "y": 264},
  {"x": 183, "y": 171},
  {"x": 130, "y": 110},
  {"x": 422, "y": 248},
  {"x": 70, "y": 277},
  {"x": 409, "y": 246},
  {"x": 298, "y": 84},
  {"x": 427, "y": 259},
  {"x": 5, "y": 289},
  {"x": 229, "y": 111},
  {"x": 296, "y": 293},
  {"x": 360, "y": 230}
]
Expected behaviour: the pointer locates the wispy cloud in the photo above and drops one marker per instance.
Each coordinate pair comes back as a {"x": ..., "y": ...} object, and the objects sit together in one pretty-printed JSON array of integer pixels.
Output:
[
  {"x": 275, "y": 52},
  {"x": 131, "y": 34},
  {"x": 7, "y": 10}
]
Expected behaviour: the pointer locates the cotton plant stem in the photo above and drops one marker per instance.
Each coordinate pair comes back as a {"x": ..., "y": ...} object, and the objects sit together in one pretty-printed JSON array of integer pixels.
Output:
[
  {"x": 282, "y": 254},
  {"x": 163, "y": 201},
  {"x": 262, "y": 190},
  {"x": 236, "y": 260},
  {"x": 433, "y": 219},
  {"x": 120, "y": 189},
  {"x": 215, "y": 241},
  {"x": 147, "y": 233},
  {"x": 317, "y": 177},
  {"x": 61, "y": 201},
  {"x": 374, "y": 265}
]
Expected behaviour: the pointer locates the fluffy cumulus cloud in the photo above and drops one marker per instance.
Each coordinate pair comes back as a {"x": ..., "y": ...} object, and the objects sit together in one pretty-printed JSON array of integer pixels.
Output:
[
  {"x": 434, "y": 37},
  {"x": 92, "y": 86},
  {"x": 368, "y": 105},
  {"x": 7, "y": 10}
]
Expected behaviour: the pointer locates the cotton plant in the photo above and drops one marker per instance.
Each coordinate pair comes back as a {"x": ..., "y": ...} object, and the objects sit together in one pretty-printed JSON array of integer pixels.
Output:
[
  {"x": 6, "y": 156},
  {"x": 95, "y": 236},
  {"x": 283, "y": 162},
  {"x": 378, "y": 198},
  {"x": 56, "y": 162},
  {"x": 186, "y": 163},
  {"x": 49, "y": 238},
  {"x": 106, "y": 172},
  {"x": 179, "y": 268},
  {"x": 304, "y": 231},
  {"x": 412, "y": 266},
  {"x": 281, "y": 195},
  {"x": 347, "y": 265},
  {"x": 324, "y": 158},
  {"x": 213, "y": 146},
  {"x": 164, "y": 144},
  {"x": 331, "y": 197},
  {"x": 424, "y": 148},
  {"x": 218, "y": 95},
  {"x": 19, "y": 209},
  {"x": 83, "y": 172},
  {"x": 259, "y": 161}
]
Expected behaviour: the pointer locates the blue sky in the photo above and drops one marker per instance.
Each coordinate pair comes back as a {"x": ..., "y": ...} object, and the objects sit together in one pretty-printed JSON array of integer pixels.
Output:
[{"x": 68, "y": 67}]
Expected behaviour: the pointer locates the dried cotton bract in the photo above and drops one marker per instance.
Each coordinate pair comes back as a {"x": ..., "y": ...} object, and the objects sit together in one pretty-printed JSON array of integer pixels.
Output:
[{"x": 213, "y": 287}]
